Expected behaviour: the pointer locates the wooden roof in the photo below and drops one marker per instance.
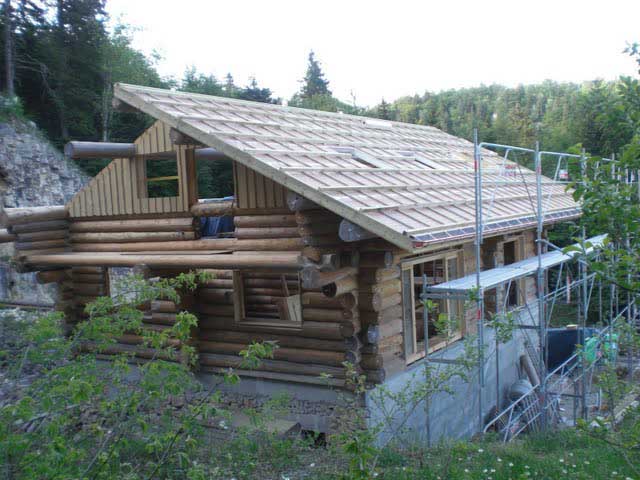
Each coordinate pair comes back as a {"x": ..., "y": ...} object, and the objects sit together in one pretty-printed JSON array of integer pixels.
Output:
[{"x": 409, "y": 184}]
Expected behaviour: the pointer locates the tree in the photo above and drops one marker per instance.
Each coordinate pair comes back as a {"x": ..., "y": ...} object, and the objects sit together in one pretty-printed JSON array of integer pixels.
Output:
[
  {"x": 230, "y": 89},
  {"x": 314, "y": 82},
  {"x": 256, "y": 94},
  {"x": 9, "y": 64},
  {"x": 195, "y": 82},
  {"x": 122, "y": 63},
  {"x": 384, "y": 110}
]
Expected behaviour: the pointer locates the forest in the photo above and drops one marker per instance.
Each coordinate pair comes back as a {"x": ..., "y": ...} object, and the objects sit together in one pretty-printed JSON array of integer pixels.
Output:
[{"x": 60, "y": 60}]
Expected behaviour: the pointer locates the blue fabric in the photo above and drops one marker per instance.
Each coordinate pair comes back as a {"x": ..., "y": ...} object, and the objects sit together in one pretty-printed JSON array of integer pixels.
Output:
[{"x": 214, "y": 226}]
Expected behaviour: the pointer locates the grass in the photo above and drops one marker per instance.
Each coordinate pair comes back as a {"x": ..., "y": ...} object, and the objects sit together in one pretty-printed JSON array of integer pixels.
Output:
[{"x": 561, "y": 455}]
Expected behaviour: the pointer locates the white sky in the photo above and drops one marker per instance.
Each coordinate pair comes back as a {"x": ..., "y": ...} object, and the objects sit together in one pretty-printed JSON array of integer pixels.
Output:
[{"x": 388, "y": 48}]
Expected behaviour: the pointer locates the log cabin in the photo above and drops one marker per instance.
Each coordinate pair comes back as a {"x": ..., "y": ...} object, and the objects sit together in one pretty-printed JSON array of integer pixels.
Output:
[{"x": 338, "y": 220}]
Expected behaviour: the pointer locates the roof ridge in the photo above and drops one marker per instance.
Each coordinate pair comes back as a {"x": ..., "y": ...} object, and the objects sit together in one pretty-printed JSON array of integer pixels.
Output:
[{"x": 277, "y": 106}]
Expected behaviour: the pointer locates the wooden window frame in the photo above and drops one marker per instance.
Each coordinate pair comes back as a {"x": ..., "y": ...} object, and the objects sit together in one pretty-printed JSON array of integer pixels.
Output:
[
  {"x": 240, "y": 313},
  {"x": 409, "y": 321},
  {"x": 520, "y": 285},
  {"x": 143, "y": 180}
]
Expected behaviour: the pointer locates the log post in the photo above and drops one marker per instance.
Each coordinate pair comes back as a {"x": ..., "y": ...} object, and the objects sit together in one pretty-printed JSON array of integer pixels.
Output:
[{"x": 79, "y": 150}]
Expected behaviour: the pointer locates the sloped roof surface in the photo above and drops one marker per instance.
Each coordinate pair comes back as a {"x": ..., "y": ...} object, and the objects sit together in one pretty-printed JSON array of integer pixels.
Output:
[{"x": 409, "y": 184}]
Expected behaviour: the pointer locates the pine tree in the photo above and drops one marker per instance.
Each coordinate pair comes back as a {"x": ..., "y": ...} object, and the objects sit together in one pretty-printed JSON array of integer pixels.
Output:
[
  {"x": 384, "y": 110},
  {"x": 195, "y": 82},
  {"x": 256, "y": 94},
  {"x": 314, "y": 82},
  {"x": 230, "y": 89}
]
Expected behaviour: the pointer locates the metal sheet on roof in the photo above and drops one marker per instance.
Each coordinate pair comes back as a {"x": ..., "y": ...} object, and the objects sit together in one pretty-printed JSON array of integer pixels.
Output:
[
  {"x": 500, "y": 275},
  {"x": 409, "y": 184}
]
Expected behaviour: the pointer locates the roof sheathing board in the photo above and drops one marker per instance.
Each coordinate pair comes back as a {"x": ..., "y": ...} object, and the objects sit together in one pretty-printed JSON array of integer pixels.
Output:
[{"x": 379, "y": 178}]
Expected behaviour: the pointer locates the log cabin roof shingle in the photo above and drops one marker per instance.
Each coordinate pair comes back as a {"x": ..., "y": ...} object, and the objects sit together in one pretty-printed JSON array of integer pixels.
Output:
[{"x": 412, "y": 185}]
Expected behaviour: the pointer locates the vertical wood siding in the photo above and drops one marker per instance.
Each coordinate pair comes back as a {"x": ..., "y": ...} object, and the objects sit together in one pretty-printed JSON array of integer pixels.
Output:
[
  {"x": 253, "y": 190},
  {"x": 120, "y": 188}
]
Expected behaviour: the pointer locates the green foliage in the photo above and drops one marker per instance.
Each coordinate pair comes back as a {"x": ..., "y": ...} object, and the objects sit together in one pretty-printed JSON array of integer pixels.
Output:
[
  {"x": 504, "y": 323},
  {"x": 11, "y": 108},
  {"x": 560, "y": 115},
  {"x": 314, "y": 83},
  {"x": 83, "y": 418}
]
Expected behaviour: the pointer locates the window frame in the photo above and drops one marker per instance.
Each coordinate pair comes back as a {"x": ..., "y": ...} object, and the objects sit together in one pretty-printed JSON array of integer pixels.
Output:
[
  {"x": 519, "y": 284},
  {"x": 409, "y": 322},
  {"x": 143, "y": 179},
  {"x": 240, "y": 311}
]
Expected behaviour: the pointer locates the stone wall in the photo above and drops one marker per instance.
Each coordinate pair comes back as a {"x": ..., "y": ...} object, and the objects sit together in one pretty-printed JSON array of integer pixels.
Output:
[{"x": 35, "y": 173}]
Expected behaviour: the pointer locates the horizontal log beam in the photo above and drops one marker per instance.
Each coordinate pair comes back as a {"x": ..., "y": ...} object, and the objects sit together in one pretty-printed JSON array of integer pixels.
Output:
[
  {"x": 6, "y": 237},
  {"x": 28, "y": 215},
  {"x": 210, "y": 154},
  {"x": 134, "y": 225},
  {"x": 254, "y": 221},
  {"x": 230, "y": 244},
  {"x": 212, "y": 209},
  {"x": 80, "y": 150},
  {"x": 127, "y": 237},
  {"x": 280, "y": 260}
]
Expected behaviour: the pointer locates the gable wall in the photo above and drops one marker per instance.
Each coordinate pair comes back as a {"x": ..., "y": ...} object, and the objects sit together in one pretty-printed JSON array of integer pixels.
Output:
[
  {"x": 253, "y": 190},
  {"x": 119, "y": 189}
]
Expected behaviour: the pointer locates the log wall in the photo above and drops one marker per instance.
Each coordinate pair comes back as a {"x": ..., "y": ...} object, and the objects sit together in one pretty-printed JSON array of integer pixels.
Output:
[
  {"x": 381, "y": 311},
  {"x": 320, "y": 344}
]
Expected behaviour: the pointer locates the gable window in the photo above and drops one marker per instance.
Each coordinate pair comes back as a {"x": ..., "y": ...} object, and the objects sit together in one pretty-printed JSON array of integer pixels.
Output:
[
  {"x": 267, "y": 298},
  {"x": 445, "y": 320},
  {"x": 161, "y": 177}
]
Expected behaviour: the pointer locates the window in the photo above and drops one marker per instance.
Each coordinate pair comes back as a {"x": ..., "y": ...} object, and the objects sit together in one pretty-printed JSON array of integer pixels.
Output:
[
  {"x": 161, "y": 177},
  {"x": 267, "y": 298},
  {"x": 445, "y": 320},
  {"x": 510, "y": 256}
]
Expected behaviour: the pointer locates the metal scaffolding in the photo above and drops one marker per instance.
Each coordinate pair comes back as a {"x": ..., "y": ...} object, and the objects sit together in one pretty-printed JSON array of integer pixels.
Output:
[{"x": 537, "y": 407}]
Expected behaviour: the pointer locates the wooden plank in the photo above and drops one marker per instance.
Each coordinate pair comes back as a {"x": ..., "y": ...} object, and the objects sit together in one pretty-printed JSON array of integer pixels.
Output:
[
  {"x": 95, "y": 202},
  {"x": 261, "y": 194},
  {"x": 191, "y": 179},
  {"x": 270, "y": 191},
  {"x": 241, "y": 188},
  {"x": 112, "y": 203},
  {"x": 125, "y": 181},
  {"x": 251, "y": 189},
  {"x": 182, "y": 174},
  {"x": 153, "y": 139},
  {"x": 238, "y": 297}
]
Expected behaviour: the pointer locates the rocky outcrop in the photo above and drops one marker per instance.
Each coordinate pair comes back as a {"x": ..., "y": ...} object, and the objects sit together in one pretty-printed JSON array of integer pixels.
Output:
[{"x": 32, "y": 173}]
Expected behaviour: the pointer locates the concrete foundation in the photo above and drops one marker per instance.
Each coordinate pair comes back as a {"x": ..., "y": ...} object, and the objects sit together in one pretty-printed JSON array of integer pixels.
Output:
[
  {"x": 453, "y": 413},
  {"x": 313, "y": 406}
]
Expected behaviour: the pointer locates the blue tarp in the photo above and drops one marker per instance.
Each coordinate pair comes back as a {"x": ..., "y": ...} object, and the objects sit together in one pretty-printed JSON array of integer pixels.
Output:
[{"x": 214, "y": 226}]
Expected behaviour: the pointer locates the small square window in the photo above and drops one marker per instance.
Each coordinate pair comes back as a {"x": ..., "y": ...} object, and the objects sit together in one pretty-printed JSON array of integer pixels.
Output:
[
  {"x": 162, "y": 177},
  {"x": 268, "y": 298}
]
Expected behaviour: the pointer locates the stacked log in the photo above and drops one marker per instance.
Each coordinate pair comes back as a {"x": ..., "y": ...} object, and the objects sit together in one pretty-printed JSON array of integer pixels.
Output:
[
  {"x": 64, "y": 296},
  {"x": 86, "y": 285},
  {"x": 36, "y": 231},
  {"x": 381, "y": 312},
  {"x": 319, "y": 232},
  {"x": 139, "y": 234},
  {"x": 324, "y": 339}
]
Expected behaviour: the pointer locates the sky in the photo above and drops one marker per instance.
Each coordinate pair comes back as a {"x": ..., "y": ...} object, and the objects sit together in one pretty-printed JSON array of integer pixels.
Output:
[{"x": 372, "y": 49}]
